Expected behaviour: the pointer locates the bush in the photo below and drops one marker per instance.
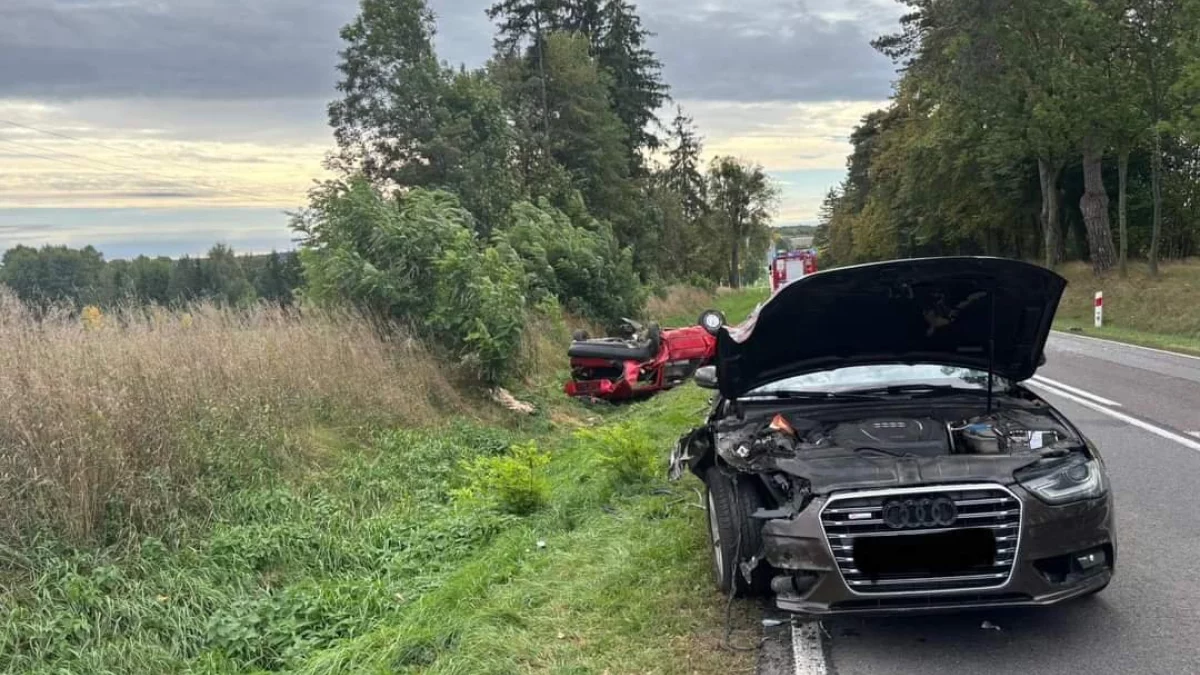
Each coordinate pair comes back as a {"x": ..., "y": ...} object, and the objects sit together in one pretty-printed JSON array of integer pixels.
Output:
[
  {"x": 415, "y": 260},
  {"x": 579, "y": 263},
  {"x": 626, "y": 454},
  {"x": 513, "y": 482}
]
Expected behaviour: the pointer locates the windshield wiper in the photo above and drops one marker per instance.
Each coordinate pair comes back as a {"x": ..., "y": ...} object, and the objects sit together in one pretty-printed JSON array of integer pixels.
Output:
[
  {"x": 920, "y": 389},
  {"x": 814, "y": 395}
]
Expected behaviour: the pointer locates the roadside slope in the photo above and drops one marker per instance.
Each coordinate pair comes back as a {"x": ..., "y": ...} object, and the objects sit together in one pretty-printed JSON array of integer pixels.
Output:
[
  {"x": 549, "y": 543},
  {"x": 1154, "y": 312}
]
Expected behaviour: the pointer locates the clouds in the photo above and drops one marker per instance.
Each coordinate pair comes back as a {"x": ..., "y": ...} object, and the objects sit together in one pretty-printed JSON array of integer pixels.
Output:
[
  {"x": 782, "y": 136},
  {"x": 751, "y": 50},
  {"x": 770, "y": 51},
  {"x": 221, "y": 103},
  {"x": 203, "y": 49}
]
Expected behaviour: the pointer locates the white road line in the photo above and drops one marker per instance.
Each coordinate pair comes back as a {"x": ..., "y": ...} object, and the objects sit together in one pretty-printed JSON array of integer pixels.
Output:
[
  {"x": 1078, "y": 392},
  {"x": 807, "y": 655},
  {"x": 1146, "y": 426},
  {"x": 1117, "y": 343}
]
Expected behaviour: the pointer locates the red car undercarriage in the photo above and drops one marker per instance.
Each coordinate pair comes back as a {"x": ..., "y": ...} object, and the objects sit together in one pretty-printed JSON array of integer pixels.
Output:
[{"x": 645, "y": 360}]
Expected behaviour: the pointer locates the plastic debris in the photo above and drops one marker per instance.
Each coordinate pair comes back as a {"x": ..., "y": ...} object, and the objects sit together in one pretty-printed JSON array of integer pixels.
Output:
[
  {"x": 500, "y": 395},
  {"x": 988, "y": 625},
  {"x": 771, "y": 623},
  {"x": 541, "y": 543}
]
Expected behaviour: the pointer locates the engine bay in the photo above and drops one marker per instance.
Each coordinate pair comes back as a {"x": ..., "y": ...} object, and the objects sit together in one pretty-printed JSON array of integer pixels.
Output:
[{"x": 928, "y": 432}]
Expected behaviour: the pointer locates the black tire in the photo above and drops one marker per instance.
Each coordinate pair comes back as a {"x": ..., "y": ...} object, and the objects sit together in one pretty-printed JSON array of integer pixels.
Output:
[
  {"x": 654, "y": 336},
  {"x": 705, "y": 314},
  {"x": 579, "y": 335},
  {"x": 733, "y": 535}
]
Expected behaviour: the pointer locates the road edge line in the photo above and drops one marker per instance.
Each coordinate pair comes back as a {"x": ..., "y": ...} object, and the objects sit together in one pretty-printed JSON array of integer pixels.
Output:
[
  {"x": 1128, "y": 419},
  {"x": 808, "y": 654},
  {"x": 1077, "y": 391}
]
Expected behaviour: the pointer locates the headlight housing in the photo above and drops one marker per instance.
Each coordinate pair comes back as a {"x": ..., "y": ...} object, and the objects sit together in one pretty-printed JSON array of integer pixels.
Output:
[{"x": 1071, "y": 480}]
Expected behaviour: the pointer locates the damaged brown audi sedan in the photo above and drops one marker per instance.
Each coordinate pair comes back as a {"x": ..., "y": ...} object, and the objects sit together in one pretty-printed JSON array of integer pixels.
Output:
[{"x": 871, "y": 448}]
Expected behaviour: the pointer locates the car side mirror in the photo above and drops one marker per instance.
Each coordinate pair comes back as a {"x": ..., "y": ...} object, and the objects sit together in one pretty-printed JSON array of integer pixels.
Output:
[{"x": 706, "y": 377}]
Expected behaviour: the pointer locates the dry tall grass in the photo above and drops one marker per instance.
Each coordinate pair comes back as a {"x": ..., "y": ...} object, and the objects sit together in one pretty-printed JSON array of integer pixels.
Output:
[
  {"x": 1164, "y": 305},
  {"x": 114, "y": 421},
  {"x": 680, "y": 301}
]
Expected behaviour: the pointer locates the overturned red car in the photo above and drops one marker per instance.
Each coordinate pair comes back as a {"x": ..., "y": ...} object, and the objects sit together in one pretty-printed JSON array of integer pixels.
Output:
[{"x": 642, "y": 360}]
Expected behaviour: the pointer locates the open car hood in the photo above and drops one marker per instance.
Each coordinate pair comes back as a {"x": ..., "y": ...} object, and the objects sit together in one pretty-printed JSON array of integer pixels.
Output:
[{"x": 928, "y": 310}]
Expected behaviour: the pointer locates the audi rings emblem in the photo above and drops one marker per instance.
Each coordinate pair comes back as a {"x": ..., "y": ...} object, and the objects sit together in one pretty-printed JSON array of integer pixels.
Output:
[{"x": 902, "y": 514}]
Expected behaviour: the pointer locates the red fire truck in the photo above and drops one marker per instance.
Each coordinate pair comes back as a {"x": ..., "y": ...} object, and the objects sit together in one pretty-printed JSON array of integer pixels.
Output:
[{"x": 791, "y": 265}]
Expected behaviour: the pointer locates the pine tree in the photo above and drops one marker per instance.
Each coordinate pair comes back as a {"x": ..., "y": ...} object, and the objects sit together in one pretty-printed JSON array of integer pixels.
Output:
[
  {"x": 683, "y": 174},
  {"x": 636, "y": 88}
]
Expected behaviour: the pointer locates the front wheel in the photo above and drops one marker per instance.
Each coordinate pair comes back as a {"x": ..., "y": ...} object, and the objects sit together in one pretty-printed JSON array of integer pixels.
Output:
[
  {"x": 734, "y": 536},
  {"x": 711, "y": 321}
]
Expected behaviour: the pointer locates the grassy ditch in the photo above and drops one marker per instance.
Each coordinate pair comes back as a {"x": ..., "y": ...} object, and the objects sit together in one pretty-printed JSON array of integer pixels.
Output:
[{"x": 332, "y": 527}]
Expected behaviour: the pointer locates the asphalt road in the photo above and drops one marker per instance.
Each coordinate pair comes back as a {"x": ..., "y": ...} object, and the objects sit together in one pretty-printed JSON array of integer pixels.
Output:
[{"x": 1148, "y": 620}]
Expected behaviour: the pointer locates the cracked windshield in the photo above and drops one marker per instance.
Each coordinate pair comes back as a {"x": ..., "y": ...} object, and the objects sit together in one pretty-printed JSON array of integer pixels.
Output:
[{"x": 774, "y": 337}]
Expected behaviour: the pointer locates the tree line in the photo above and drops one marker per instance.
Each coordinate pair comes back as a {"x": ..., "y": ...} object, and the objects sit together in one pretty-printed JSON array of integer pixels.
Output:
[
  {"x": 60, "y": 276},
  {"x": 468, "y": 200},
  {"x": 1027, "y": 128}
]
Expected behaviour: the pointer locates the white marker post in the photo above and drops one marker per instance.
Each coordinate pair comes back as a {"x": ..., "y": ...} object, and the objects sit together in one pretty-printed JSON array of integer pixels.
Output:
[{"x": 1099, "y": 309}]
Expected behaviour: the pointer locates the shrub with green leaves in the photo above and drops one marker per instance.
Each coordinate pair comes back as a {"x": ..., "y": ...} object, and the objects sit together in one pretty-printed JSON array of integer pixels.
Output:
[
  {"x": 514, "y": 482},
  {"x": 578, "y": 262},
  {"x": 625, "y": 453},
  {"x": 415, "y": 259}
]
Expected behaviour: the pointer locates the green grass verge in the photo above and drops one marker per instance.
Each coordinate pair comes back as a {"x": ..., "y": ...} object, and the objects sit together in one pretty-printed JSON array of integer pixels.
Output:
[
  {"x": 553, "y": 546},
  {"x": 1155, "y": 312},
  {"x": 391, "y": 560},
  {"x": 1173, "y": 343}
]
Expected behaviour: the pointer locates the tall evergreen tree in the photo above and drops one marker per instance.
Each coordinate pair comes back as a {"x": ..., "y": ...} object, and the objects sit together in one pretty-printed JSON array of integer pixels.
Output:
[
  {"x": 636, "y": 87},
  {"x": 683, "y": 172}
]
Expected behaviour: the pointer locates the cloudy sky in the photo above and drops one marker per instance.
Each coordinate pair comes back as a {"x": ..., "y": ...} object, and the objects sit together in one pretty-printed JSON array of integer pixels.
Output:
[{"x": 163, "y": 126}]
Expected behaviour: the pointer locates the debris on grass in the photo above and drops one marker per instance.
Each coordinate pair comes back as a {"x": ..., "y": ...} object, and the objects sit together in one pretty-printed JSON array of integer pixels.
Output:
[{"x": 503, "y": 397}]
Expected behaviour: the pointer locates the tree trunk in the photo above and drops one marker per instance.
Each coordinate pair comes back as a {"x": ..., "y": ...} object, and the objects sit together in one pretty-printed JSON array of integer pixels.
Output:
[
  {"x": 1156, "y": 190},
  {"x": 1094, "y": 207},
  {"x": 734, "y": 277},
  {"x": 1122, "y": 183},
  {"x": 1048, "y": 171}
]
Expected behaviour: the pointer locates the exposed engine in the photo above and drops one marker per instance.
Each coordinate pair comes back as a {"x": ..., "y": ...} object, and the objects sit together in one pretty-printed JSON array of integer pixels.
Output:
[{"x": 1006, "y": 431}]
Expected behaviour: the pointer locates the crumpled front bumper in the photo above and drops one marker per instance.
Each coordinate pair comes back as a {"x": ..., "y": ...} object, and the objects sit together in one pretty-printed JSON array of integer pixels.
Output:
[{"x": 798, "y": 547}]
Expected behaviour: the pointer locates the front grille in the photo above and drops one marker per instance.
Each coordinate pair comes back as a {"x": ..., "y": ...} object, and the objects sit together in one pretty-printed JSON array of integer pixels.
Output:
[{"x": 848, "y": 517}]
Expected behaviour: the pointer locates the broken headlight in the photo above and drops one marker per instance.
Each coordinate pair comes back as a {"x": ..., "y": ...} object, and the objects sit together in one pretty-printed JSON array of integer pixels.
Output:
[{"x": 1073, "y": 479}]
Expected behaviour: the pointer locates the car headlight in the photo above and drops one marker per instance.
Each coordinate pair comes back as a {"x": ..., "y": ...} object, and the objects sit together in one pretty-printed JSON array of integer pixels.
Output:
[{"x": 1075, "y": 479}]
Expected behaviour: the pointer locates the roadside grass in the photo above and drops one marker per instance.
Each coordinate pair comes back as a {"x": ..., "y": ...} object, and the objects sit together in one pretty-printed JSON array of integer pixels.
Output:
[
  {"x": 1161, "y": 313},
  {"x": 472, "y": 541},
  {"x": 136, "y": 421},
  {"x": 377, "y": 564},
  {"x": 683, "y": 304}
]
